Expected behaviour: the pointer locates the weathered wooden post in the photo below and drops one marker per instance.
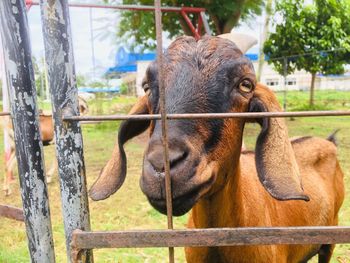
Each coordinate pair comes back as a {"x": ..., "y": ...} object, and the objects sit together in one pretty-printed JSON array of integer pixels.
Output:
[
  {"x": 64, "y": 97},
  {"x": 29, "y": 150}
]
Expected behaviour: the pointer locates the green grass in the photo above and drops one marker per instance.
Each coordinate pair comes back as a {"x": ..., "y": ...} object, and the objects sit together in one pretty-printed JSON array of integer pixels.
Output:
[
  {"x": 128, "y": 208},
  {"x": 106, "y": 105},
  {"x": 324, "y": 100}
]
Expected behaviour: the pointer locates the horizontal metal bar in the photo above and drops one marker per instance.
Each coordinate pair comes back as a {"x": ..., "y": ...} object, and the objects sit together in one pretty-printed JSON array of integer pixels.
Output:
[
  {"x": 130, "y": 7},
  {"x": 211, "y": 237},
  {"x": 90, "y": 122},
  {"x": 208, "y": 115},
  {"x": 5, "y": 113},
  {"x": 11, "y": 212}
]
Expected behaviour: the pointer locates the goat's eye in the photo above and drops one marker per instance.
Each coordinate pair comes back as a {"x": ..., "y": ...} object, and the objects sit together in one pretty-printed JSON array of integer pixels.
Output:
[
  {"x": 246, "y": 86},
  {"x": 145, "y": 87}
]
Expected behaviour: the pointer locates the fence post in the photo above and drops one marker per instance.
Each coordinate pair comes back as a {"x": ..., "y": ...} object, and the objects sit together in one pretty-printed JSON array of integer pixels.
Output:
[
  {"x": 29, "y": 150},
  {"x": 64, "y": 97}
]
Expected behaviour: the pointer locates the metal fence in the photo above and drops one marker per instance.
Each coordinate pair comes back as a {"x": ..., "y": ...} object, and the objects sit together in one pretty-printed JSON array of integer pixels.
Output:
[{"x": 80, "y": 240}]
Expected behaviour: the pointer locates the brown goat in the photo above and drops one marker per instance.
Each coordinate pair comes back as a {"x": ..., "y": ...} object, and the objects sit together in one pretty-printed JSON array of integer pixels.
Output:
[
  {"x": 47, "y": 137},
  {"x": 46, "y": 128},
  {"x": 209, "y": 175}
]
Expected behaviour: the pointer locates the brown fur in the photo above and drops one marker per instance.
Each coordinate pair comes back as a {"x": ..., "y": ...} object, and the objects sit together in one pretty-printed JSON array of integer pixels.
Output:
[
  {"x": 113, "y": 174},
  {"x": 46, "y": 128},
  {"x": 238, "y": 199},
  {"x": 317, "y": 161}
]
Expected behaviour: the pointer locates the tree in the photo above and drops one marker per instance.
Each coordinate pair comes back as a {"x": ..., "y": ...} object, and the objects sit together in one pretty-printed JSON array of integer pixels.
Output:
[
  {"x": 81, "y": 80},
  {"x": 314, "y": 37},
  {"x": 38, "y": 74},
  {"x": 223, "y": 16}
]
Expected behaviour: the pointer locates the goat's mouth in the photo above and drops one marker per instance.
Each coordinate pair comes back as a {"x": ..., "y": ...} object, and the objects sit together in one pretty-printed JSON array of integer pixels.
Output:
[
  {"x": 184, "y": 197},
  {"x": 181, "y": 205}
]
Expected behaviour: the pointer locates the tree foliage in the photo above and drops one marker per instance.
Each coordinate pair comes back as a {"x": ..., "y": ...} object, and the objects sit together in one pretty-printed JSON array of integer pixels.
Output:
[
  {"x": 314, "y": 37},
  {"x": 137, "y": 28}
]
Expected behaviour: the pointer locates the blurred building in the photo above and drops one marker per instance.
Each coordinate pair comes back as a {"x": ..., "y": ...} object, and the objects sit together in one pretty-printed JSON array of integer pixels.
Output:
[
  {"x": 299, "y": 80},
  {"x": 129, "y": 68}
]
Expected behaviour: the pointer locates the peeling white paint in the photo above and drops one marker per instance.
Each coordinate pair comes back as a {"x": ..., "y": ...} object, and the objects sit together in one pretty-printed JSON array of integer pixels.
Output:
[
  {"x": 29, "y": 100},
  {"x": 18, "y": 34},
  {"x": 59, "y": 9},
  {"x": 78, "y": 140},
  {"x": 15, "y": 10},
  {"x": 11, "y": 66}
]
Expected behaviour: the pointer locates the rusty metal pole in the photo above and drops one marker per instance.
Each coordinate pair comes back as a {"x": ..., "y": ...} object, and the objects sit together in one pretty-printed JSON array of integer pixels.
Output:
[
  {"x": 64, "y": 98},
  {"x": 29, "y": 147},
  {"x": 177, "y": 116},
  {"x": 213, "y": 237},
  {"x": 12, "y": 212},
  {"x": 169, "y": 206}
]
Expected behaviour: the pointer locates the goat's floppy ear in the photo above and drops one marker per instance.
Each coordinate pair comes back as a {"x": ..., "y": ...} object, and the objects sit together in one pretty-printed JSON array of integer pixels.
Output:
[
  {"x": 274, "y": 156},
  {"x": 113, "y": 174}
]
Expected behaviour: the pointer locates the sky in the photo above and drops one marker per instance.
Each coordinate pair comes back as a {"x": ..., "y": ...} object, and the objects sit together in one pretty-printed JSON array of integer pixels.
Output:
[
  {"x": 104, "y": 22},
  {"x": 104, "y": 47}
]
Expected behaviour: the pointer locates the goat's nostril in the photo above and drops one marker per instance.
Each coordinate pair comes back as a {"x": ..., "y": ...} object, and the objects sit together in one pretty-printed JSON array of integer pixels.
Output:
[
  {"x": 177, "y": 157},
  {"x": 156, "y": 158}
]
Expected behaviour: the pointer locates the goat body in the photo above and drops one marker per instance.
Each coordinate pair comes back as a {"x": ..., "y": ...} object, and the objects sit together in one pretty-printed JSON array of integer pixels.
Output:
[
  {"x": 46, "y": 128},
  {"x": 243, "y": 202}
]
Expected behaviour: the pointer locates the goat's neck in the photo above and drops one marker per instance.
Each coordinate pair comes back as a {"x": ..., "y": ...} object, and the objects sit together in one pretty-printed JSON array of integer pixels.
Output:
[{"x": 216, "y": 210}]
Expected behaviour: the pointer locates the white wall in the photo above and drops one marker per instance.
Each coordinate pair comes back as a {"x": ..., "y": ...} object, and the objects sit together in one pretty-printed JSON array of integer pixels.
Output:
[
  {"x": 141, "y": 71},
  {"x": 331, "y": 82},
  {"x": 299, "y": 80}
]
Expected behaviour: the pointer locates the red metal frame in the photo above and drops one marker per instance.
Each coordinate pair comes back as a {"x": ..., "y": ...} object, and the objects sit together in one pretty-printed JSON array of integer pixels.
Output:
[
  {"x": 190, "y": 25},
  {"x": 183, "y": 11},
  {"x": 29, "y": 4}
]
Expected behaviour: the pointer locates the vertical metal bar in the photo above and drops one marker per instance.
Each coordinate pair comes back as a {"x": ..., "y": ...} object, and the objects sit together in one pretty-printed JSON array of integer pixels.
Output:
[
  {"x": 169, "y": 206},
  {"x": 64, "y": 97},
  {"x": 205, "y": 23},
  {"x": 29, "y": 148}
]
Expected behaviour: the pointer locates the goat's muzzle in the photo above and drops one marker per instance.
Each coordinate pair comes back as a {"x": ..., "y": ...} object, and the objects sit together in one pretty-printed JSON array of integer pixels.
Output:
[{"x": 184, "y": 167}]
